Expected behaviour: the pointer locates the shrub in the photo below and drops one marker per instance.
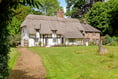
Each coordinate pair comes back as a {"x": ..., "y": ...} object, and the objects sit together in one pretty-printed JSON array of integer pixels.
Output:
[
  {"x": 14, "y": 40},
  {"x": 107, "y": 39},
  {"x": 114, "y": 43},
  {"x": 39, "y": 43},
  {"x": 115, "y": 38},
  {"x": 91, "y": 43}
]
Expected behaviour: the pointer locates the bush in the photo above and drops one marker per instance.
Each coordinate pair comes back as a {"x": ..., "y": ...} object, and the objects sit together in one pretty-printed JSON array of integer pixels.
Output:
[
  {"x": 115, "y": 38},
  {"x": 14, "y": 40},
  {"x": 114, "y": 43},
  {"x": 91, "y": 43},
  {"x": 39, "y": 43},
  {"x": 107, "y": 39}
]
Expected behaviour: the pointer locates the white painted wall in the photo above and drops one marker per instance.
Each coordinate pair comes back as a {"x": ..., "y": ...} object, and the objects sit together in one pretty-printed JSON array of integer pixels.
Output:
[
  {"x": 76, "y": 42},
  {"x": 37, "y": 35},
  {"x": 24, "y": 35},
  {"x": 31, "y": 42},
  {"x": 50, "y": 42},
  {"x": 59, "y": 41}
]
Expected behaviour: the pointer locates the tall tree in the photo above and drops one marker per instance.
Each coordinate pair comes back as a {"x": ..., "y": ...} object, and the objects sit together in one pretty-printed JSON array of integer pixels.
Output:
[
  {"x": 77, "y": 8},
  {"x": 49, "y": 7},
  {"x": 14, "y": 31},
  {"x": 6, "y": 7},
  {"x": 114, "y": 15},
  {"x": 14, "y": 28},
  {"x": 104, "y": 16},
  {"x": 21, "y": 12}
]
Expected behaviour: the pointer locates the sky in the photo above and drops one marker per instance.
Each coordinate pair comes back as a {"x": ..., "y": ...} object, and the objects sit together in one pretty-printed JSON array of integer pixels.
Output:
[{"x": 63, "y": 4}]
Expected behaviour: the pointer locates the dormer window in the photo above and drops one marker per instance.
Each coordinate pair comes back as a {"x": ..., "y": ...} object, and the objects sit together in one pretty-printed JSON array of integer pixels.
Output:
[
  {"x": 37, "y": 30},
  {"x": 83, "y": 32},
  {"x": 54, "y": 33},
  {"x": 37, "y": 33}
]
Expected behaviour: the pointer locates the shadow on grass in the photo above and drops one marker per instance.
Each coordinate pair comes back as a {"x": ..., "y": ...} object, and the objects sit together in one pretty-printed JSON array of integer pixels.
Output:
[{"x": 18, "y": 74}]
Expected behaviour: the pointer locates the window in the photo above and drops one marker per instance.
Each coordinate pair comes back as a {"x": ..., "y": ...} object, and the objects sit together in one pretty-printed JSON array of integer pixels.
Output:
[
  {"x": 37, "y": 30},
  {"x": 23, "y": 30},
  {"x": 37, "y": 33},
  {"x": 71, "y": 40},
  {"x": 54, "y": 39},
  {"x": 54, "y": 33},
  {"x": 87, "y": 40},
  {"x": 36, "y": 39},
  {"x": 32, "y": 35},
  {"x": 94, "y": 34}
]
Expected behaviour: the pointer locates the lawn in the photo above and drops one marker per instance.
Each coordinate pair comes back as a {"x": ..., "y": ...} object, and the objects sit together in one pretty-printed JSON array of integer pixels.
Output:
[
  {"x": 79, "y": 62},
  {"x": 14, "y": 54}
]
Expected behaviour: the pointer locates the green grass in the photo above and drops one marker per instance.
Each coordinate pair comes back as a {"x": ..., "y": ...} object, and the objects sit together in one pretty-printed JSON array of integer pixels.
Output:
[
  {"x": 79, "y": 62},
  {"x": 14, "y": 54}
]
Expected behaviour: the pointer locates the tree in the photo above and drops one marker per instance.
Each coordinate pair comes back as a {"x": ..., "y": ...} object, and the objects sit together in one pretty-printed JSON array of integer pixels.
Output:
[
  {"x": 114, "y": 15},
  {"x": 14, "y": 31},
  {"x": 77, "y": 8},
  {"x": 49, "y": 7},
  {"x": 14, "y": 27},
  {"x": 104, "y": 17},
  {"x": 6, "y": 7},
  {"x": 21, "y": 12}
]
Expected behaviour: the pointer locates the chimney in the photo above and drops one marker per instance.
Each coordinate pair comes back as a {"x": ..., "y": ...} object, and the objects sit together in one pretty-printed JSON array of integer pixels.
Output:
[
  {"x": 60, "y": 13},
  {"x": 84, "y": 21}
]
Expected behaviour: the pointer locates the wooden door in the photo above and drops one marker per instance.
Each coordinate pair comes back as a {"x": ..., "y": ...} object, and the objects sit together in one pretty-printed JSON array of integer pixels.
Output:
[{"x": 26, "y": 43}]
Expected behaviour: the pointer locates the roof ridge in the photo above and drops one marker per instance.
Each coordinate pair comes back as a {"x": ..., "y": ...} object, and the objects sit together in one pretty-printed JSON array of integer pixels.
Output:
[{"x": 53, "y": 18}]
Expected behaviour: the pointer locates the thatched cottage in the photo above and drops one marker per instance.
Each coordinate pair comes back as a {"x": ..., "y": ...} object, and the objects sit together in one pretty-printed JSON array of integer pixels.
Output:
[{"x": 49, "y": 31}]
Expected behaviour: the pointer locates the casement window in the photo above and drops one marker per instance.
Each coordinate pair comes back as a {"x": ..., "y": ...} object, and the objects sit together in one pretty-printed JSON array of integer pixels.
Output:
[
  {"x": 71, "y": 40},
  {"x": 37, "y": 30},
  {"x": 23, "y": 30},
  {"x": 94, "y": 34},
  {"x": 32, "y": 35},
  {"x": 54, "y": 39},
  {"x": 87, "y": 40}
]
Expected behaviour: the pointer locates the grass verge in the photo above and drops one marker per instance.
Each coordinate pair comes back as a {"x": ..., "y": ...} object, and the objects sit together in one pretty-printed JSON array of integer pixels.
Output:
[{"x": 14, "y": 54}]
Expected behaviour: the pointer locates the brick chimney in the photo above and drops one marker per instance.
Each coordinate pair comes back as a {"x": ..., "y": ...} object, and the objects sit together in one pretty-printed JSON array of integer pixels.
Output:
[
  {"x": 60, "y": 13},
  {"x": 84, "y": 21}
]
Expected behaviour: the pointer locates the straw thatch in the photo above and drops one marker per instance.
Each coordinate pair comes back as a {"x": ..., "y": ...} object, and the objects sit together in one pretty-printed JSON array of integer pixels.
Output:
[
  {"x": 89, "y": 28},
  {"x": 69, "y": 28}
]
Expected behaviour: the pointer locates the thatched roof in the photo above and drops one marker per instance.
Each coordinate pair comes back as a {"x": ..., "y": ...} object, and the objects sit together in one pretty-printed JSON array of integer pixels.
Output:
[
  {"x": 73, "y": 35},
  {"x": 89, "y": 28},
  {"x": 69, "y": 28}
]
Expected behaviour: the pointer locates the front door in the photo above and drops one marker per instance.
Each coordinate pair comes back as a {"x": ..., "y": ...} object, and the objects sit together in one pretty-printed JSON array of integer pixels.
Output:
[{"x": 26, "y": 43}]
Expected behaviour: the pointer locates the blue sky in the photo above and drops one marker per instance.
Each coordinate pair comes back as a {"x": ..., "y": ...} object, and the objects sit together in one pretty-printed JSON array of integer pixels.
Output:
[{"x": 63, "y": 4}]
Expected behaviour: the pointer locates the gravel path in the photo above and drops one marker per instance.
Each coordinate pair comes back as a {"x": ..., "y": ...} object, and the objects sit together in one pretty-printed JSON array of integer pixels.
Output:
[{"x": 28, "y": 66}]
